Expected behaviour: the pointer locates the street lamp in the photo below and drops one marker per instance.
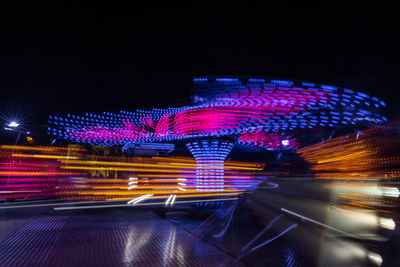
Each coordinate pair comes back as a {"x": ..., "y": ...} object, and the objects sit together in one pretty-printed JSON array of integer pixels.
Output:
[{"x": 13, "y": 124}]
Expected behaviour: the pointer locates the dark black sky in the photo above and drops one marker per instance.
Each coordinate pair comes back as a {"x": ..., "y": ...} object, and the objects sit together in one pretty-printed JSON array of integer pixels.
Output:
[{"x": 82, "y": 60}]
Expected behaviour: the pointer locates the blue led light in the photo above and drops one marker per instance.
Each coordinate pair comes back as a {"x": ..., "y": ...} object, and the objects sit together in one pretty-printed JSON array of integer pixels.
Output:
[
  {"x": 200, "y": 79},
  {"x": 282, "y": 82},
  {"x": 256, "y": 80},
  {"x": 328, "y": 87},
  {"x": 227, "y": 79},
  {"x": 362, "y": 95},
  {"x": 306, "y": 84}
]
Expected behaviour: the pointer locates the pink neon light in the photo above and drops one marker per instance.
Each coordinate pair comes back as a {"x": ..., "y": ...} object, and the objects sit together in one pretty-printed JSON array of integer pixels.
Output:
[
  {"x": 227, "y": 114},
  {"x": 262, "y": 139}
]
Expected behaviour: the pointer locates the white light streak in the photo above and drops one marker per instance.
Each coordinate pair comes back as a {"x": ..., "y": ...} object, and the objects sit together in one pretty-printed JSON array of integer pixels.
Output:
[
  {"x": 316, "y": 222},
  {"x": 180, "y": 188},
  {"x": 169, "y": 198},
  {"x": 139, "y": 199},
  {"x": 133, "y": 183},
  {"x": 172, "y": 201}
]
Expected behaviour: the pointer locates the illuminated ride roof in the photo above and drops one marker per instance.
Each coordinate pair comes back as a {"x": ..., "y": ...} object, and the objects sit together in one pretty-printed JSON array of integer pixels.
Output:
[{"x": 262, "y": 113}]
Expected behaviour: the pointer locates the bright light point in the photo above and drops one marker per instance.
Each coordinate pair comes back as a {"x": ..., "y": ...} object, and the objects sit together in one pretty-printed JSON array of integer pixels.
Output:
[
  {"x": 13, "y": 124},
  {"x": 387, "y": 223},
  {"x": 391, "y": 192},
  {"x": 285, "y": 142},
  {"x": 375, "y": 258}
]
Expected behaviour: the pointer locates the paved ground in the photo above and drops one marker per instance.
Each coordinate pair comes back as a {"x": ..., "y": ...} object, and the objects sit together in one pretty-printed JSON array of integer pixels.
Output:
[
  {"x": 106, "y": 237},
  {"x": 40, "y": 236}
]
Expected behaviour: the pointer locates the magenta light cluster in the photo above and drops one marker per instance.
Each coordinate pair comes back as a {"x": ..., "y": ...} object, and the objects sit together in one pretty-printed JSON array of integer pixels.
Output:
[{"x": 258, "y": 112}]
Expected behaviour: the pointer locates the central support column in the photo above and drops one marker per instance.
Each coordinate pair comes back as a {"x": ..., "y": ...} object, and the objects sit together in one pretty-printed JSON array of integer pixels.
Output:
[{"x": 210, "y": 156}]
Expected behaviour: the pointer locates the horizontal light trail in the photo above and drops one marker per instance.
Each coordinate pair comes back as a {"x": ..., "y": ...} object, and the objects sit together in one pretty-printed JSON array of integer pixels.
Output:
[
  {"x": 152, "y": 169},
  {"x": 23, "y": 203},
  {"x": 236, "y": 165},
  {"x": 143, "y": 204},
  {"x": 181, "y": 194},
  {"x": 43, "y": 156},
  {"x": 34, "y": 173},
  {"x": 11, "y": 192},
  {"x": 52, "y": 149},
  {"x": 72, "y": 175},
  {"x": 54, "y": 204}
]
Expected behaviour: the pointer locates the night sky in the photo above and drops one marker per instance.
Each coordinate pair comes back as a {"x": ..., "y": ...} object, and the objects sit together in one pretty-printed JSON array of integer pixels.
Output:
[{"x": 80, "y": 60}]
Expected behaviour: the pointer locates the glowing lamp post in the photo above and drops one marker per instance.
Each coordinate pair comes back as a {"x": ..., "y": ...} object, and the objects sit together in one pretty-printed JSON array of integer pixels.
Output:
[{"x": 13, "y": 124}]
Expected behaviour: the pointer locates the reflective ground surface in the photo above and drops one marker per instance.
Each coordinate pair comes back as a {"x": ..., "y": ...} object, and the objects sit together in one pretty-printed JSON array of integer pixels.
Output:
[
  {"x": 107, "y": 237},
  {"x": 297, "y": 223}
]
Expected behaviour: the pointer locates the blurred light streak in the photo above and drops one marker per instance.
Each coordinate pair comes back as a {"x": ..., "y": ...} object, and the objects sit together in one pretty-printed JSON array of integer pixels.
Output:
[
  {"x": 390, "y": 191},
  {"x": 71, "y": 174},
  {"x": 269, "y": 240},
  {"x": 375, "y": 258},
  {"x": 145, "y": 204},
  {"x": 169, "y": 198},
  {"x": 261, "y": 233},
  {"x": 48, "y": 149},
  {"x": 44, "y": 156},
  {"x": 279, "y": 235},
  {"x": 362, "y": 170},
  {"x": 316, "y": 222},
  {"x": 373, "y": 154},
  {"x": 31, "y": 205},
  {"x": 139, "y": 199},
  {"x": 173, "y": 200},
  {"x": 231, "y": 212}
]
